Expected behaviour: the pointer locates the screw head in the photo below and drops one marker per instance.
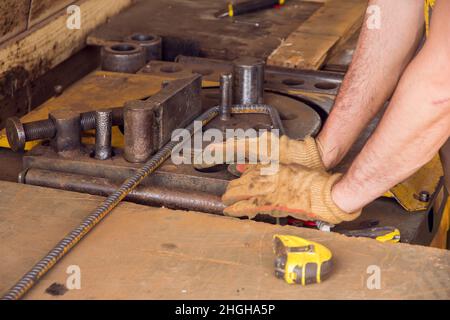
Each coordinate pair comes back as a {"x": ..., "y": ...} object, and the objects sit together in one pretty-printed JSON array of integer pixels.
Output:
[
  {"x": 15, "y": 134},
  {"x": 424, "y": 196},
  {"x": 58, "y": 89}
]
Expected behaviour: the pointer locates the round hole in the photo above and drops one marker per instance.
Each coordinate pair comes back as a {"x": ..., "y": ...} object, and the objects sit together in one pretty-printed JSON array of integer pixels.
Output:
[
  {"x": 123, "y": 47},
  {"x": 325, "y": 85},
  {"x": 293, "y": 82},
  {"x": 142, "y": 37},
  {"x": 170, "y": 69},
  {"x": 203, "y": 72}
]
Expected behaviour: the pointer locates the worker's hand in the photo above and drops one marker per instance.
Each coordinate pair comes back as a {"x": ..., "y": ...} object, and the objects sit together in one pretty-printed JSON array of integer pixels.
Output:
[
  {"x": 296, "y": 191},
  {"x": 289, "y": 151}
]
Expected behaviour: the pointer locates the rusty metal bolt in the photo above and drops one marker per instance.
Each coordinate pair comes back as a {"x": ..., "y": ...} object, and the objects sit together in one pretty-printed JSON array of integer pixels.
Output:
[
  {"x": 19, "y": 133},
  {"x": 424, "y": 196}
]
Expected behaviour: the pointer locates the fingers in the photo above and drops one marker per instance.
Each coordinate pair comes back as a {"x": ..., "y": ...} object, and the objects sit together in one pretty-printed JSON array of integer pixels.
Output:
[
  {"x": 242, "y": 208},
  {"x": 253, "y": 206},
  {"x": 250, "y": 184}
]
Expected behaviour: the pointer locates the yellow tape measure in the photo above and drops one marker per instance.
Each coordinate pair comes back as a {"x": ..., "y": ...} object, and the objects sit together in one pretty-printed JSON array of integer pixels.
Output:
[{"x": 300, "y": 261}]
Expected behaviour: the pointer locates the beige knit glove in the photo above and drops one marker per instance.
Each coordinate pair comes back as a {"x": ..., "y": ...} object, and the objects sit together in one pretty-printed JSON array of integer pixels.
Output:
[
  {"x": 296, "y": 191},
  {"x": 291, "y": 151}
]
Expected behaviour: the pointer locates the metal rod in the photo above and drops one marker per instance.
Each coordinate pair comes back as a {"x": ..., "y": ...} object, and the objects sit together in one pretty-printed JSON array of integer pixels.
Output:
[
  {"x": 74, "y": 237},
  {"x": 147, "y": 195},
  {"x": 226, "y": 95},
  {"x": 19, "y": 133},
  {"x": 103, "y": 134}
]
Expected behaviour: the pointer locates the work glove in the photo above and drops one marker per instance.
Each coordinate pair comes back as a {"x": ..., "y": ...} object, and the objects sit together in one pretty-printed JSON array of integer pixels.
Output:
[
  {"x": 296, "y": 191},
  {"x": 289, "y": 151}
]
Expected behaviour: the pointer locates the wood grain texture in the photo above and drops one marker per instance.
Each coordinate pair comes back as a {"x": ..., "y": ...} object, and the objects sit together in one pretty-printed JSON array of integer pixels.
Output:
[
  {"x": 42, "y": 9},
  {"x": 140, "y": 252},
  {"x": 321, "y": 35},
  {"x": 43, "y": 47},
  {"x": 303, "y": 50},
  {"x": 13, "y": 17}
]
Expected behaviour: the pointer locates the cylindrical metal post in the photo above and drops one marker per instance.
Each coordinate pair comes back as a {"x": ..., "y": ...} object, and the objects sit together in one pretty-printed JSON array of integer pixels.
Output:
[
  {"x": 248, "y": 80},
  {"x": 150, "y": 42},
  {"x": 103, "y": 134},
  {"x": 138, "y": 118},
  {"x": 123, "y": 57},
  {"x": 226, "y": 95}
]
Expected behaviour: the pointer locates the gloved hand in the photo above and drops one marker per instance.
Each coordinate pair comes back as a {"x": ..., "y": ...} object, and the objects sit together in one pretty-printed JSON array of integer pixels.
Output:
[
  {"x": 296, "y": 191},
  {"x": 291, "y": 151}
]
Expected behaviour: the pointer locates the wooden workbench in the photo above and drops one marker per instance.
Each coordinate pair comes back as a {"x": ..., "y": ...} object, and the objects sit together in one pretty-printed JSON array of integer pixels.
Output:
[
  {"x": 140, "y": 252},
  {"x": 300, "y": 34}
]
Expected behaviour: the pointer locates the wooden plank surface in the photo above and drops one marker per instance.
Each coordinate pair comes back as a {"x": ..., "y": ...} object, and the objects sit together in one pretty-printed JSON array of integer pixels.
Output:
[
  {"x": 42, "y": 9},
  {"x": 189, "y": 27},
  {"x": 140, "y": 252},
  {"x": 13, "y": 17},
  {"x": 44, "y": 46},
  {"x": 302, "y": 50},
  {"x": 321, "y": 35}
]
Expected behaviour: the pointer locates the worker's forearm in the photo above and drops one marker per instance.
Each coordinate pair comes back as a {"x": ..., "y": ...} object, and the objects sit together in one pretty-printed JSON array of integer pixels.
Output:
[
  {"x": 415, "y": 126},
  {"x": 380, "y": 58}
]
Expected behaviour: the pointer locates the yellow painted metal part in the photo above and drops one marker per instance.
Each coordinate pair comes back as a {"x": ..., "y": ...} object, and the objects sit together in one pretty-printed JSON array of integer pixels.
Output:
[
  {"x": 425, "y": 179},
  {"x": 391, "y": 237},
  {"x": 99, "y": 89},
  {"x": 317, "y": 254},
  {"x": 230, "y": 10}
]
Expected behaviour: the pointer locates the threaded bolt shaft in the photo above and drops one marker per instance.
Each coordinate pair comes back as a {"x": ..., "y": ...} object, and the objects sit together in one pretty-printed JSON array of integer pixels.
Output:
[{"x": 19, "y": 133}]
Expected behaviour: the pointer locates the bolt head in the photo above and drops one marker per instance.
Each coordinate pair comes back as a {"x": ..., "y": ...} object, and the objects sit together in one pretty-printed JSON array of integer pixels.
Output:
[
  {"x": 424, "y": 196},
  {"x": 15, "y": 134}
]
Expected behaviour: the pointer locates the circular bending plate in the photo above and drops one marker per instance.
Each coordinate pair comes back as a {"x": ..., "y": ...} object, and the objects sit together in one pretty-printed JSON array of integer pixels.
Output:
[{"x": 299, "y": 119}]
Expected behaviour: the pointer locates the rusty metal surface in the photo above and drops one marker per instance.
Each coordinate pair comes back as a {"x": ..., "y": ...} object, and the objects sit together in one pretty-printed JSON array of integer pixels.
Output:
[
  {"x": 316, "y": 88},
  {"x": 189, "y": 27},
  {"x": 123, "y": 57},
  {"x": 299, "y": 113},
  {"x": 98, "y": 90},
  {"x": 138, "y": 131},
  {"x": 172, "y": 197},
  {"x": 175, "y": 106},
  {"x": 103, "y": 134},
  {"x": 149, "y": 124},
  {"x": 152, "y": 44}
]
